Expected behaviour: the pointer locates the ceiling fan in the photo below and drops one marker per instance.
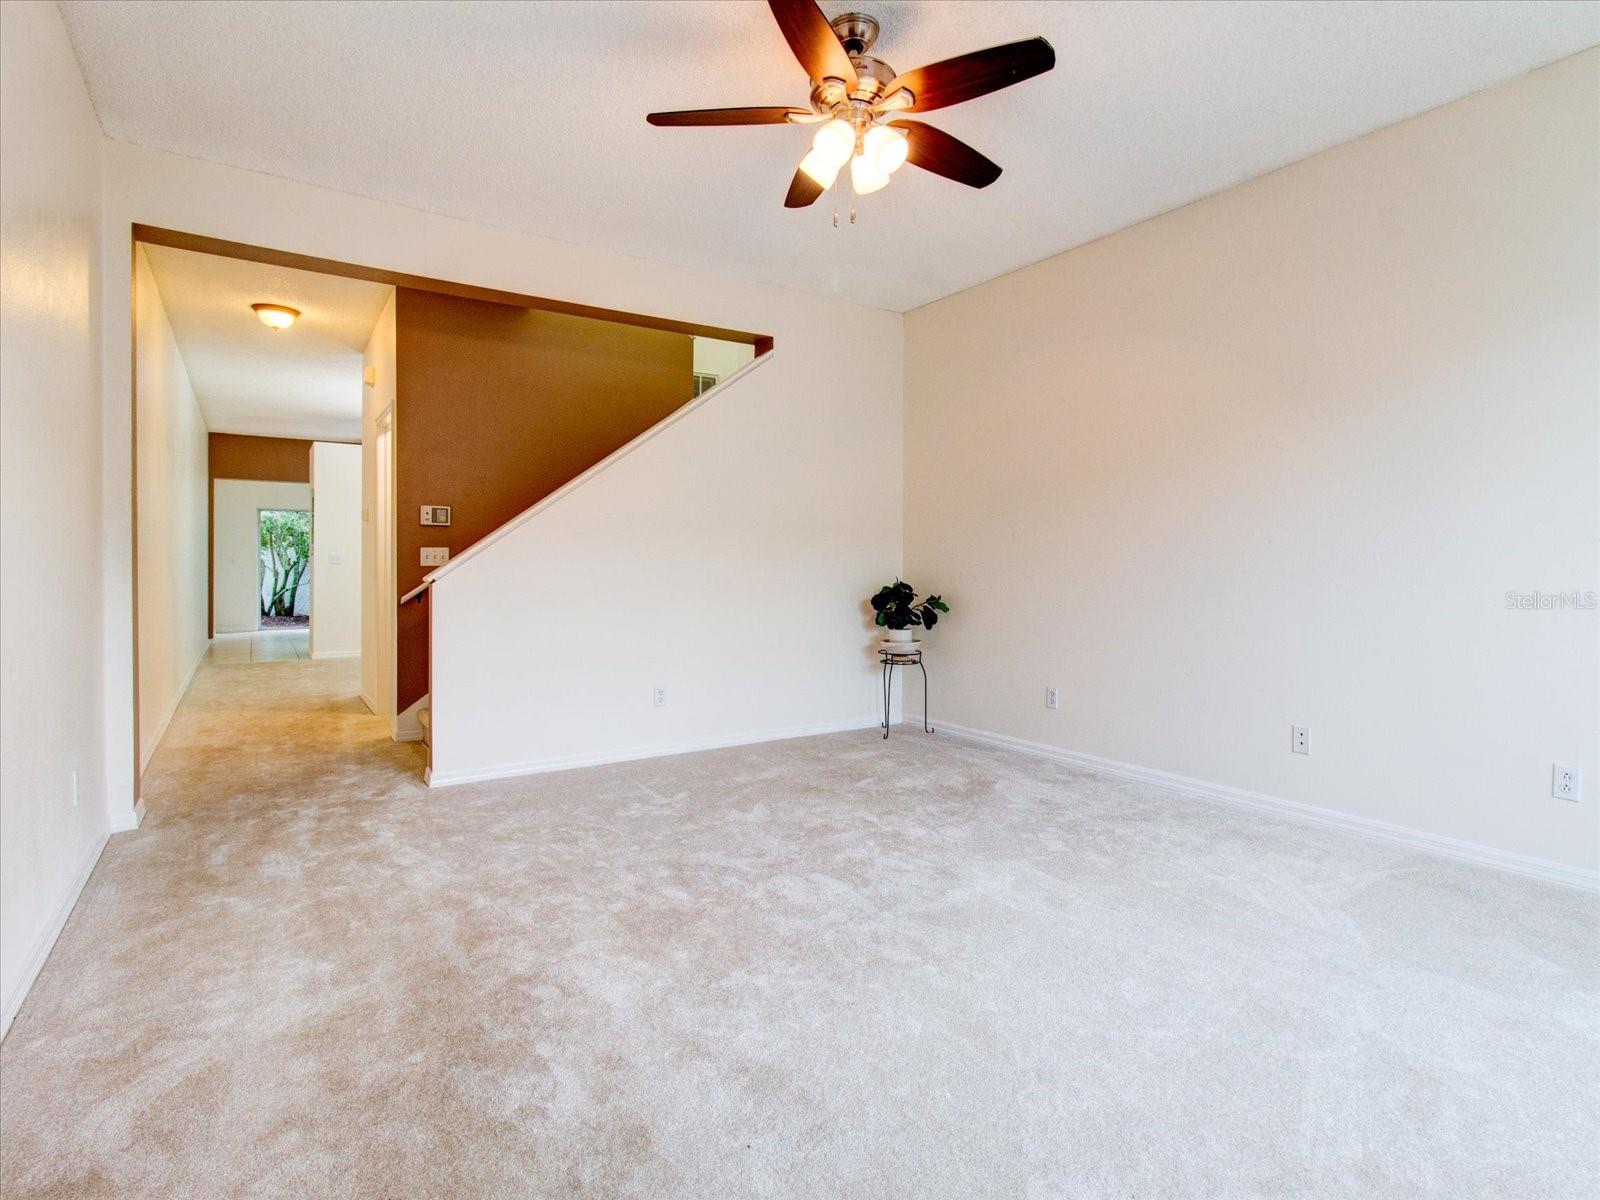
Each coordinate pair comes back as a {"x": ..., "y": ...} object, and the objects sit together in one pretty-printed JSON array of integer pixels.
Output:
[{"x": 854, "y": 98}]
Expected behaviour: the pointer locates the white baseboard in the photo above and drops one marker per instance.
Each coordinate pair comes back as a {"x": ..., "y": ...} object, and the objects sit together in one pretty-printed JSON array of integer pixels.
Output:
[
  {"x": 368, "y": 701},
  {"x": 1400, "y": 835},
  {"x": 407, "y": 726},
  {"x": 546, "y": 765},
  {"x": 336, "y": 654},
  {"x": 47, "y": 937},
  {"x": 128, "y": 822},
  {"x": 172, "y": 710}
]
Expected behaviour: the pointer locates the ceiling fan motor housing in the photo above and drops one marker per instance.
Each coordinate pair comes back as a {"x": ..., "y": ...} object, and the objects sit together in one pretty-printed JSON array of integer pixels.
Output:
[{"x": 856, "y": 31}]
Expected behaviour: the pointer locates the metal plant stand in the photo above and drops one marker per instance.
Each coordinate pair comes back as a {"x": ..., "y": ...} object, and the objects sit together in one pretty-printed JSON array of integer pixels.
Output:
[{"x": 902, "y": 658}]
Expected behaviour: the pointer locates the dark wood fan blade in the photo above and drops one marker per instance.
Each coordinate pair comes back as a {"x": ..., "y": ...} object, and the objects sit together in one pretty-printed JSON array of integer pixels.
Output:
[
  {"x": 969, "y": 76},
  {"x": 813, "y": 41},
  {"x": 727, "y": 116},
  {"x": 935, "y": 150},
  {"x": 803, "y": 191}
]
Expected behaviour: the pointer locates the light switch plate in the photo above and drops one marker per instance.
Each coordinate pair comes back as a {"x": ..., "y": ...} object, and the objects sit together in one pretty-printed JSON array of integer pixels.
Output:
[
  {"x": 435, "y": 556},
  {"x": 436, "y": 514}
]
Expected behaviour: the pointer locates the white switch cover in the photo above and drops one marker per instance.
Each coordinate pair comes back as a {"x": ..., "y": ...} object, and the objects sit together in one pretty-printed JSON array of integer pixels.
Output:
[
  {"x": 1300, "y": 739},
  {"x": 335, "y": 559},
  {"x": 660, "y": 697},
  {"x": 435, "y": 556},
  {"x": 1052, "y": 698}
]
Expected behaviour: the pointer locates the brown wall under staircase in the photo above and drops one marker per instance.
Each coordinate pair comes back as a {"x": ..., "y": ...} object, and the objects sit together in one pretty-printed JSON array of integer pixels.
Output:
[{"x": 496, "y": 406}]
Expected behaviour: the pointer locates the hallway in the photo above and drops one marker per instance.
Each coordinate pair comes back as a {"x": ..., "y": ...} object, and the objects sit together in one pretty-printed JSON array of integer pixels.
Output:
[{"x": 207, "y": 945}]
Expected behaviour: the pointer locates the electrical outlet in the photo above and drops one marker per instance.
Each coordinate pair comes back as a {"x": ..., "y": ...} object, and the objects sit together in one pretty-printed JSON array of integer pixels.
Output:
[
  {"x": 1566, "y": 783},
  {"x": 660, "y": 697},
  {"x": 1300, "y": 739},
  {"x": 435, "y": 556},
  {"x": 1052, "y": 698}
]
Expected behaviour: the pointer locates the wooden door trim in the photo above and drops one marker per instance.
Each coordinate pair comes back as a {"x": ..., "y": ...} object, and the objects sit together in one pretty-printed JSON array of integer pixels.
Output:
[{"x": 155, "y": 236}]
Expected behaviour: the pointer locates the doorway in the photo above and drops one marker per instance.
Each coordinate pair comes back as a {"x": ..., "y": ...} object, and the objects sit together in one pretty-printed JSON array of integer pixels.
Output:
[
  {"x": 249, "y": 468},
  {"x": 284, "y": 568}
]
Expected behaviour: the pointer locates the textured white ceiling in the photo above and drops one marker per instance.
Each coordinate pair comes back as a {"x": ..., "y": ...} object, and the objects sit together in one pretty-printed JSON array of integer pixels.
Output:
[
  {"x": 304, "y": 381},
  {"x": 531, "y": 116}
]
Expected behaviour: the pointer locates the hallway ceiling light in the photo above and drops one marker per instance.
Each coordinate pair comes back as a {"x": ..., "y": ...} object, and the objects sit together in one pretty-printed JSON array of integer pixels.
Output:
[{"x": 276, "y": 316}]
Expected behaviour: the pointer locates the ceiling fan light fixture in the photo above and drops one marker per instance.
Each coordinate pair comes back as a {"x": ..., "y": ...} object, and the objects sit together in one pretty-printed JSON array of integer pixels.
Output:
[
  {"x": 276, "y": 316},
  {"x": 886, "y": 147},
  {"x": 834, "y": 142},
  {"x": 865, "y": 177},
  {"x": 852, "y": 91},
  {"x": 822, "y": 169}
]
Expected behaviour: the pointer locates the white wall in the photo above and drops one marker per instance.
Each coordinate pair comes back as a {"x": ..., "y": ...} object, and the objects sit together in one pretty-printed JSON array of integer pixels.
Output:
[
  {"x": 236, "y": 520},
  {"x": 377, "y": 516},
  {"x": 173, "y": 455},
  {"x": 725, "y": 559},
  {"x": 713, "y": 356},
  {"x": 50, "y": 497},
  {"x": 823, "y": 350},
  {"x": 1276, "y": 458},
  {"x": 335, "y": 550}
]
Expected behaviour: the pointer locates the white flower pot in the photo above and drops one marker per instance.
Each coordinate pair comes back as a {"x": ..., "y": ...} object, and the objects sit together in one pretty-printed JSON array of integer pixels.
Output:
[{"x": 900, "y": 635}]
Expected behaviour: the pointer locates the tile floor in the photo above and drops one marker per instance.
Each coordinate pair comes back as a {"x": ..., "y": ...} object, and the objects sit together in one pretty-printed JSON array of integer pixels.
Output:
[{"x": 267, "y": 645}]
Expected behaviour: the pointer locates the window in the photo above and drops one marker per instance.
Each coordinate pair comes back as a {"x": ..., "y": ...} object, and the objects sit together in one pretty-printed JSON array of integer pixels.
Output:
[{"x": 704, "y": 382}]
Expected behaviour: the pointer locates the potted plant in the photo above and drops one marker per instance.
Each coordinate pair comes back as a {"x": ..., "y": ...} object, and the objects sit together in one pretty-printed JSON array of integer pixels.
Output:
[{"x": 902, "y": 614}]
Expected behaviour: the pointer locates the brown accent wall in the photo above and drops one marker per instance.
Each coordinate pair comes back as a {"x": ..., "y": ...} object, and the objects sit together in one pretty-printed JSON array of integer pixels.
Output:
[
  {"x": 239, "y": 456},
  {"x": 279, "y": 460},
  {"x": 497, "y": 406}
]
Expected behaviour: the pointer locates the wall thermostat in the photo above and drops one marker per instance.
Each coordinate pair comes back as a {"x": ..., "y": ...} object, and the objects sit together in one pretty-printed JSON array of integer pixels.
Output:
[{"x": 436, "y": 514}]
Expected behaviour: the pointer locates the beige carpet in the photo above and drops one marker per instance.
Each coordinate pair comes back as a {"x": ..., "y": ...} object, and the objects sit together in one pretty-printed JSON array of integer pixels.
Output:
[{"x": 820, "y": 968}]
